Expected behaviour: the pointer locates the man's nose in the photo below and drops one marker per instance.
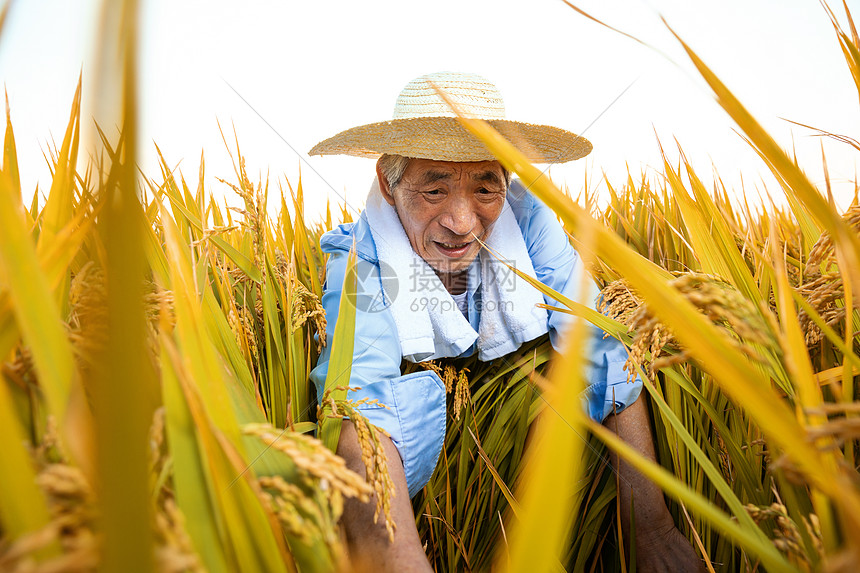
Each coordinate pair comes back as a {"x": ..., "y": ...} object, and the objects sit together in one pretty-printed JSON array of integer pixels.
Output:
[{"x": 460, "y": 218}]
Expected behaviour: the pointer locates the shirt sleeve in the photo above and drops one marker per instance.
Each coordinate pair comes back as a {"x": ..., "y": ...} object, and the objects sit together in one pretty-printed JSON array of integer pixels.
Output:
[
  {"x": 413, "y": 406},
  {"x": 559, "y": 266}
]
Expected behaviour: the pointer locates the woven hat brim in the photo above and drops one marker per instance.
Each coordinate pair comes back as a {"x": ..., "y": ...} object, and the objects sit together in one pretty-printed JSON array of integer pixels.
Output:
[{"x": 445, "y": 139}]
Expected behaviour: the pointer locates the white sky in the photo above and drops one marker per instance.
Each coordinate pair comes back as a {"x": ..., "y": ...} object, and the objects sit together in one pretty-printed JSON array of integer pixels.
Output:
[{"x": 312, "y": 69}]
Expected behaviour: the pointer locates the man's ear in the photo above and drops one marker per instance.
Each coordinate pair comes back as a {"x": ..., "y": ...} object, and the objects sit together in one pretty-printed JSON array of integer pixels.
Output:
[{"x": 383, "y": 185}]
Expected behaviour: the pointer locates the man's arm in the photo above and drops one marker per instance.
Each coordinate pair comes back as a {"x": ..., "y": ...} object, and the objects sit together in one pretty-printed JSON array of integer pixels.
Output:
[
  {"x": 659, "y": 545},
  {"x": 418, "y": 424},
  {"x": 369, "y": 547}
]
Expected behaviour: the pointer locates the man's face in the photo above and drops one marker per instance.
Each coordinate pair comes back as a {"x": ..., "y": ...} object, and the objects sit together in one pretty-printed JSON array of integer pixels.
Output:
[{"x": 444, "y": 205}]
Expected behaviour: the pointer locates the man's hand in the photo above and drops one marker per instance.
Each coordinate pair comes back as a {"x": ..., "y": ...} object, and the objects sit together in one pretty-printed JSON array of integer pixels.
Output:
[
  {"x": 659, "y": 545},
  {"x": 665, "y": 549}
]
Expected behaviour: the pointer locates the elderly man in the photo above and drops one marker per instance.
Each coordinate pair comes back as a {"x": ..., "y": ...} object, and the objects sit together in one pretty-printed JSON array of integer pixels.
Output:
[{"x": 430, "y": 290}]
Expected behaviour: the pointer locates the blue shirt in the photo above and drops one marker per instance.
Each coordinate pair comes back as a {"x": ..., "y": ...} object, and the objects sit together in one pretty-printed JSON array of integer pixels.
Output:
[{"x": 416, "y": 411}]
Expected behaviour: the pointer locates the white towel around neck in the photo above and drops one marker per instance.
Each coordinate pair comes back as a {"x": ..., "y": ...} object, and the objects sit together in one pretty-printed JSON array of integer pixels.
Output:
[{"x": 429, "y": 323}]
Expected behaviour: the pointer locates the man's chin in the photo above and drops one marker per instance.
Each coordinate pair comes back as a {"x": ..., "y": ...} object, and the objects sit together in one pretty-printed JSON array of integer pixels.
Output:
[
  {"x": 452, "y": 267},
  {"x": 446, "y": 264}
]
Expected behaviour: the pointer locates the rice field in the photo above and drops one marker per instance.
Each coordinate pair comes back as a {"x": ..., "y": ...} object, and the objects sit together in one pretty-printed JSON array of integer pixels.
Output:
[{"x": 155, "y": 349}]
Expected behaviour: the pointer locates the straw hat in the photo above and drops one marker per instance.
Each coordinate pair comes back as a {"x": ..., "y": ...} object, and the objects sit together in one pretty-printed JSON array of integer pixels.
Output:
[{"x": 424, "y": 126}]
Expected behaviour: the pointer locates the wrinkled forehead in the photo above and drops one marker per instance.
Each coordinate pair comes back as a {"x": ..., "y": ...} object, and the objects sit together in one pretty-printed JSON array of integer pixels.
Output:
[{"x": 427, "y": 172}]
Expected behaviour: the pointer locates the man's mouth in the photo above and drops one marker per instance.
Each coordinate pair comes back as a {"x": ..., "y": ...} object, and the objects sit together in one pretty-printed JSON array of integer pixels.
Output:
[{"x": 453, "y": 249}]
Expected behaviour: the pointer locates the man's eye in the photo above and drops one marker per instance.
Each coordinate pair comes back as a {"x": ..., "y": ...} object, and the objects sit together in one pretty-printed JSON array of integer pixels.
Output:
[{"x": 434, "y": 192}]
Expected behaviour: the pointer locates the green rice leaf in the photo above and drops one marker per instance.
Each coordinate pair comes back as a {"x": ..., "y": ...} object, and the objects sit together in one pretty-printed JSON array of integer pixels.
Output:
[
  {"x": 36, "y": 313},
  {"x": 762, "y": 548},
  {"x": 709, "y": 233},
  {"x": 59, "y": 206},
  {"x": 190, "y": 475},
  {"x": 741, "y": 381},
  {"x": 340, "y": 362},
  {"x": 241, "y": 261},
  {"x": 798, "y": 184},
  {"x": 247, "y": 530},
  {"x": 10, "y": 153},
  {"x": 713, "y": 474},
  {"x": 22, "y": 506},
  {"x": 60, "y": 202},
  {"x": 547, "y": 487}
]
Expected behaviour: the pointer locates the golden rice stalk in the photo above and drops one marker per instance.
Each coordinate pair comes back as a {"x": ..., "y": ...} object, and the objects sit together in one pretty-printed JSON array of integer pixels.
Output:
[
  {"x": 306, "y": 305},
  {"x": 158, "y": 307},
  {"x": 312, "y": 459},
  {"x": 372, "y": 453},
  {"x": 712, "y": 296},
  {"x": 254, "y": 213},
  {"x": 375, "y": 463},
  {"x": 786, "y": 534},
  {"x": 158, "y": 450},
  {"x": 73, "y": 517},
  {"x": 88, "y": 318},
  {"x": 446, "y": 372},
  {"x": 17, "y": 558},
  {"x": 49, "y": 450},
  {"x": 20, "y": 367},
  {"x": 174, "y": 551},
  {"x": 449, "y": 375},
  {"x": 284, "y": 502},
  {"x": 823, "y": 287},
  {"x": 300, "y": 515},
  {"x": 835, "y": 431},
  {"x": 462, "y": 394},
  {"x": 822, "y": 252},
  {"x": 618, "y": 301},
  {"x": 213, "y": 232},
  {"x": 242, "y": 325}
]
